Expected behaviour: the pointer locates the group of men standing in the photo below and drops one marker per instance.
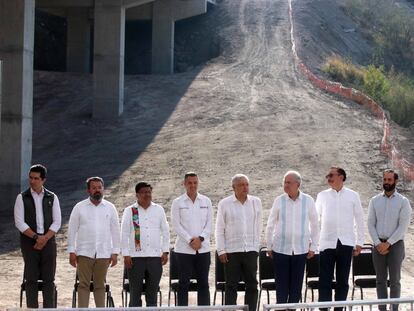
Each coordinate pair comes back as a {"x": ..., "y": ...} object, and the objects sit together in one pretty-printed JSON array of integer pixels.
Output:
[{"x": 297, "y": 227}]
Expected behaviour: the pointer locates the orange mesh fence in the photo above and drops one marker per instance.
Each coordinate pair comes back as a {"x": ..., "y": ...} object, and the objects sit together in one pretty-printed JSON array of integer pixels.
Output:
[{"x": 395, "y": 156}]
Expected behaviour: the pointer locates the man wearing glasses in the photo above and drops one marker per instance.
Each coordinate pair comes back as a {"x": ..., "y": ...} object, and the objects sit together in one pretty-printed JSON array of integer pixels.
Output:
[{"x": 340, "y": 213}]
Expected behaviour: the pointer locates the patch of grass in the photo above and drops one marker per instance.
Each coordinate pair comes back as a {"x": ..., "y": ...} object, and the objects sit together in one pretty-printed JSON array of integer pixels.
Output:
[{"x": 392, "y": 90}]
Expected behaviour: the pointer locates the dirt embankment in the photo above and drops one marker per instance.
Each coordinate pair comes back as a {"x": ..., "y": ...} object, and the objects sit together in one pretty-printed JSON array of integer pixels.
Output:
[{"x": 247, "y": 111}]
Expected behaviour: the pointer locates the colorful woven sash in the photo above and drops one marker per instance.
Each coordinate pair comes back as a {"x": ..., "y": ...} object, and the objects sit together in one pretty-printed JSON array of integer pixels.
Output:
[{"x": 137, "y": 229}]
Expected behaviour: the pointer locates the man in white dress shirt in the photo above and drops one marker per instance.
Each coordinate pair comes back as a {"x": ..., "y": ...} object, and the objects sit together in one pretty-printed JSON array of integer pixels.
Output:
[
  {"x": 238, "y": 229},
  {"x": 342, "y": 234},
  {"x": 38, "y": 218},
  {"x": 145, "y": 240},
  {"x": 93, "y": 242},
  {"x": 292, "y": 236},
  {"x": 191, "y": 218}
]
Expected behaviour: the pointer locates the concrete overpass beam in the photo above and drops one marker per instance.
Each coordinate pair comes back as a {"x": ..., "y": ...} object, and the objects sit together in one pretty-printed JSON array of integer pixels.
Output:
[
  {"x": 163, "y": 37},
  {"x": 16, "y": 52},
  {"x": 78, "y": 40},
  {"x": 108, "y": 67},
  {"x": 186, "y": 9}
]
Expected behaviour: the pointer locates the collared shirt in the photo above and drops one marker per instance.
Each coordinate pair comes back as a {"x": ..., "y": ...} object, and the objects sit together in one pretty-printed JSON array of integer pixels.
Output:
[
  {"x": 293, "y": 227},
  {"x": 388, "y": 217},
  {"x": 93, "y": 230},
  {"x": 340, "y": 214},
  {"x": 191, "y": 219},
  {"x": 22, "y": 226},
  {"x": 154, "y": 231},
  {"x": 238, "y": 226}
]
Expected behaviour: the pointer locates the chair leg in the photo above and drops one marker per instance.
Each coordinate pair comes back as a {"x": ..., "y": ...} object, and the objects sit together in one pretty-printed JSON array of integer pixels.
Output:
[
  {"x": 169, "y": 297},
  {"x": 160, "y": 298},
  {"x": 268, "y": 297},
  {"x": 175, "y": 298},
  {"x": 313, "y": 297},
  {"x": 306, "y": 291},
  {"x": 21, "y": 298},
  {"x": 222, "y": 298},
  {"x": 56, "y": 297},
  {"x": 259, "y": 298},
  {"x": 214, "y": 297},
  {"x": 74, "y": 299}
]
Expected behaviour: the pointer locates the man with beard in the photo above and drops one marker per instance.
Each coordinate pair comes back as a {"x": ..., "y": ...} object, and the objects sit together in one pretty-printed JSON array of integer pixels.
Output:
[
  {"x": 93, "y": 242},
  {"x": 389, "y": 214}
]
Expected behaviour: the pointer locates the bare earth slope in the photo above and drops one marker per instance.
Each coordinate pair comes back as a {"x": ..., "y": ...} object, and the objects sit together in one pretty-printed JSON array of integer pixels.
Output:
[{"x": 247, "y": 111}]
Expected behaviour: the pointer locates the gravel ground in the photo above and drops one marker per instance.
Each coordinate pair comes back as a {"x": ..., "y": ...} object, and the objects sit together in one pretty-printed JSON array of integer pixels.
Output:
[{"x": 246, "y": 111}]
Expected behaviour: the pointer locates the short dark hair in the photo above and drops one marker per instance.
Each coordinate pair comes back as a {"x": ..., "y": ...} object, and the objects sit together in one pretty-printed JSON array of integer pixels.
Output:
[
  {"x": 95, "y": 178},
  {"x": 340, "y": 171},
  {"x": 190, "y": 174},
  {"x": 142, "y": 184},
  {"x": 39, "y": 168},
  {"x": 388, "y": 170}
]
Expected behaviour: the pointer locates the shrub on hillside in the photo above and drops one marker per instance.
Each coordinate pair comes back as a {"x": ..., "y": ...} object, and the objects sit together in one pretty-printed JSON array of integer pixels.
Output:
[{"x": 393, "y": 91}]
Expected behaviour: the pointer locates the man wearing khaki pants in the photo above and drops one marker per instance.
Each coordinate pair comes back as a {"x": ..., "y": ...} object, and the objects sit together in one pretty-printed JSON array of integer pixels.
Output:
[{"x": 93, "y": 242}]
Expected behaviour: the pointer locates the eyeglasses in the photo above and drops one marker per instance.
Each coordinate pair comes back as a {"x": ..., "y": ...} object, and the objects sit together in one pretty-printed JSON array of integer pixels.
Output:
[{"x": 330, "y": 175}]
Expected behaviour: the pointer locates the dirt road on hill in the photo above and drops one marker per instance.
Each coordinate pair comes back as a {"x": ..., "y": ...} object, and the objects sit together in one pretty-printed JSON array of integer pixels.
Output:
[{"x": 246, "y": 111}]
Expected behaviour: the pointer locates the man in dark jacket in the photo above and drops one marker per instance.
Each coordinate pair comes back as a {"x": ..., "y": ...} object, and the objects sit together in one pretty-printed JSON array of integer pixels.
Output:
[{"x": 37, "y": 216}]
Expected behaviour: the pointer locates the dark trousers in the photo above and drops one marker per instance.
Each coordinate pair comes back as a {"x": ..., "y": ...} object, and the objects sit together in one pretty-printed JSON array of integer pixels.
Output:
[
  {"x": 289, "y": 271},
  {"x": 39, "y": 265},
  {"x": 200, "y": 264},
  {"x": 150, "y": 270},
  {"x": 340, "y": 256},
  {"x": 241, "y": 266},
  {"x": 389, "y": 264}
]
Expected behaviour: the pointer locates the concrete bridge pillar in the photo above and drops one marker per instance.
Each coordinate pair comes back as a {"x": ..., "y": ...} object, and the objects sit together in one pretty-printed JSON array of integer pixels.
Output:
[
  {"x": 108, "y": 66},
  {"x": 163, "y": 37},
  {"x": 78, "y": 40},
  {"x": 16, "y": 52}
]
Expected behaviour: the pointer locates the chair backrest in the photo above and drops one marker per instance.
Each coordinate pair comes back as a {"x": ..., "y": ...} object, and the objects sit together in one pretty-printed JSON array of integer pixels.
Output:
[
  {"x": 362, "y": 265},
  {"x": 219, "y": 272},
  {"x": 266, "y": 270},
  {"x": 312, "y": 267},
  {"x": 174, "y": 268}
]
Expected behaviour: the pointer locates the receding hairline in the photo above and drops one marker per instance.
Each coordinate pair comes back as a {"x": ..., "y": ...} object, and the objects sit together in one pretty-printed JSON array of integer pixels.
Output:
[
  {"x": 295, "y": 174},
  {"x": 235, "y": 179}
]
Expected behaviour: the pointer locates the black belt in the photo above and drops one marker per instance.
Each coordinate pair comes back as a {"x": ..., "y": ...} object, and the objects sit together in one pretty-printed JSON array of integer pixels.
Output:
[{"x": 383, "y": 240}]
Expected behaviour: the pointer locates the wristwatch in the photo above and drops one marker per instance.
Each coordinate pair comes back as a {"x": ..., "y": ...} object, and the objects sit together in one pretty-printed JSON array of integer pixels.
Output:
[
  {"x": 201, "y": 238},
  {"x": 35, "y": 236}
]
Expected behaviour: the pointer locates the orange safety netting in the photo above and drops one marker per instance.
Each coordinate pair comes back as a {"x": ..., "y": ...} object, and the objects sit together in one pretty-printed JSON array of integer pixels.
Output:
[{"x": 396, "y": 158}]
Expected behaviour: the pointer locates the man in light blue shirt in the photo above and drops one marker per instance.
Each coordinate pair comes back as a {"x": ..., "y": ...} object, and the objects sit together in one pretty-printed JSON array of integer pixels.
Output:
[{"x": 389, "y": 215}]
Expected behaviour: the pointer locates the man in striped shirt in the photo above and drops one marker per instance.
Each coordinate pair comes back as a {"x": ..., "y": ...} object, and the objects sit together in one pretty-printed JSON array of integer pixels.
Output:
[{"x": 292, "y": 235}]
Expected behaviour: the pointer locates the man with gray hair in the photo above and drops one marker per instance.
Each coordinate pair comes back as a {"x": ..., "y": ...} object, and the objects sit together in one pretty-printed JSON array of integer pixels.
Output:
[
  {"x": 238, "y": 229},
  {"x": 292, "y": 236}
]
